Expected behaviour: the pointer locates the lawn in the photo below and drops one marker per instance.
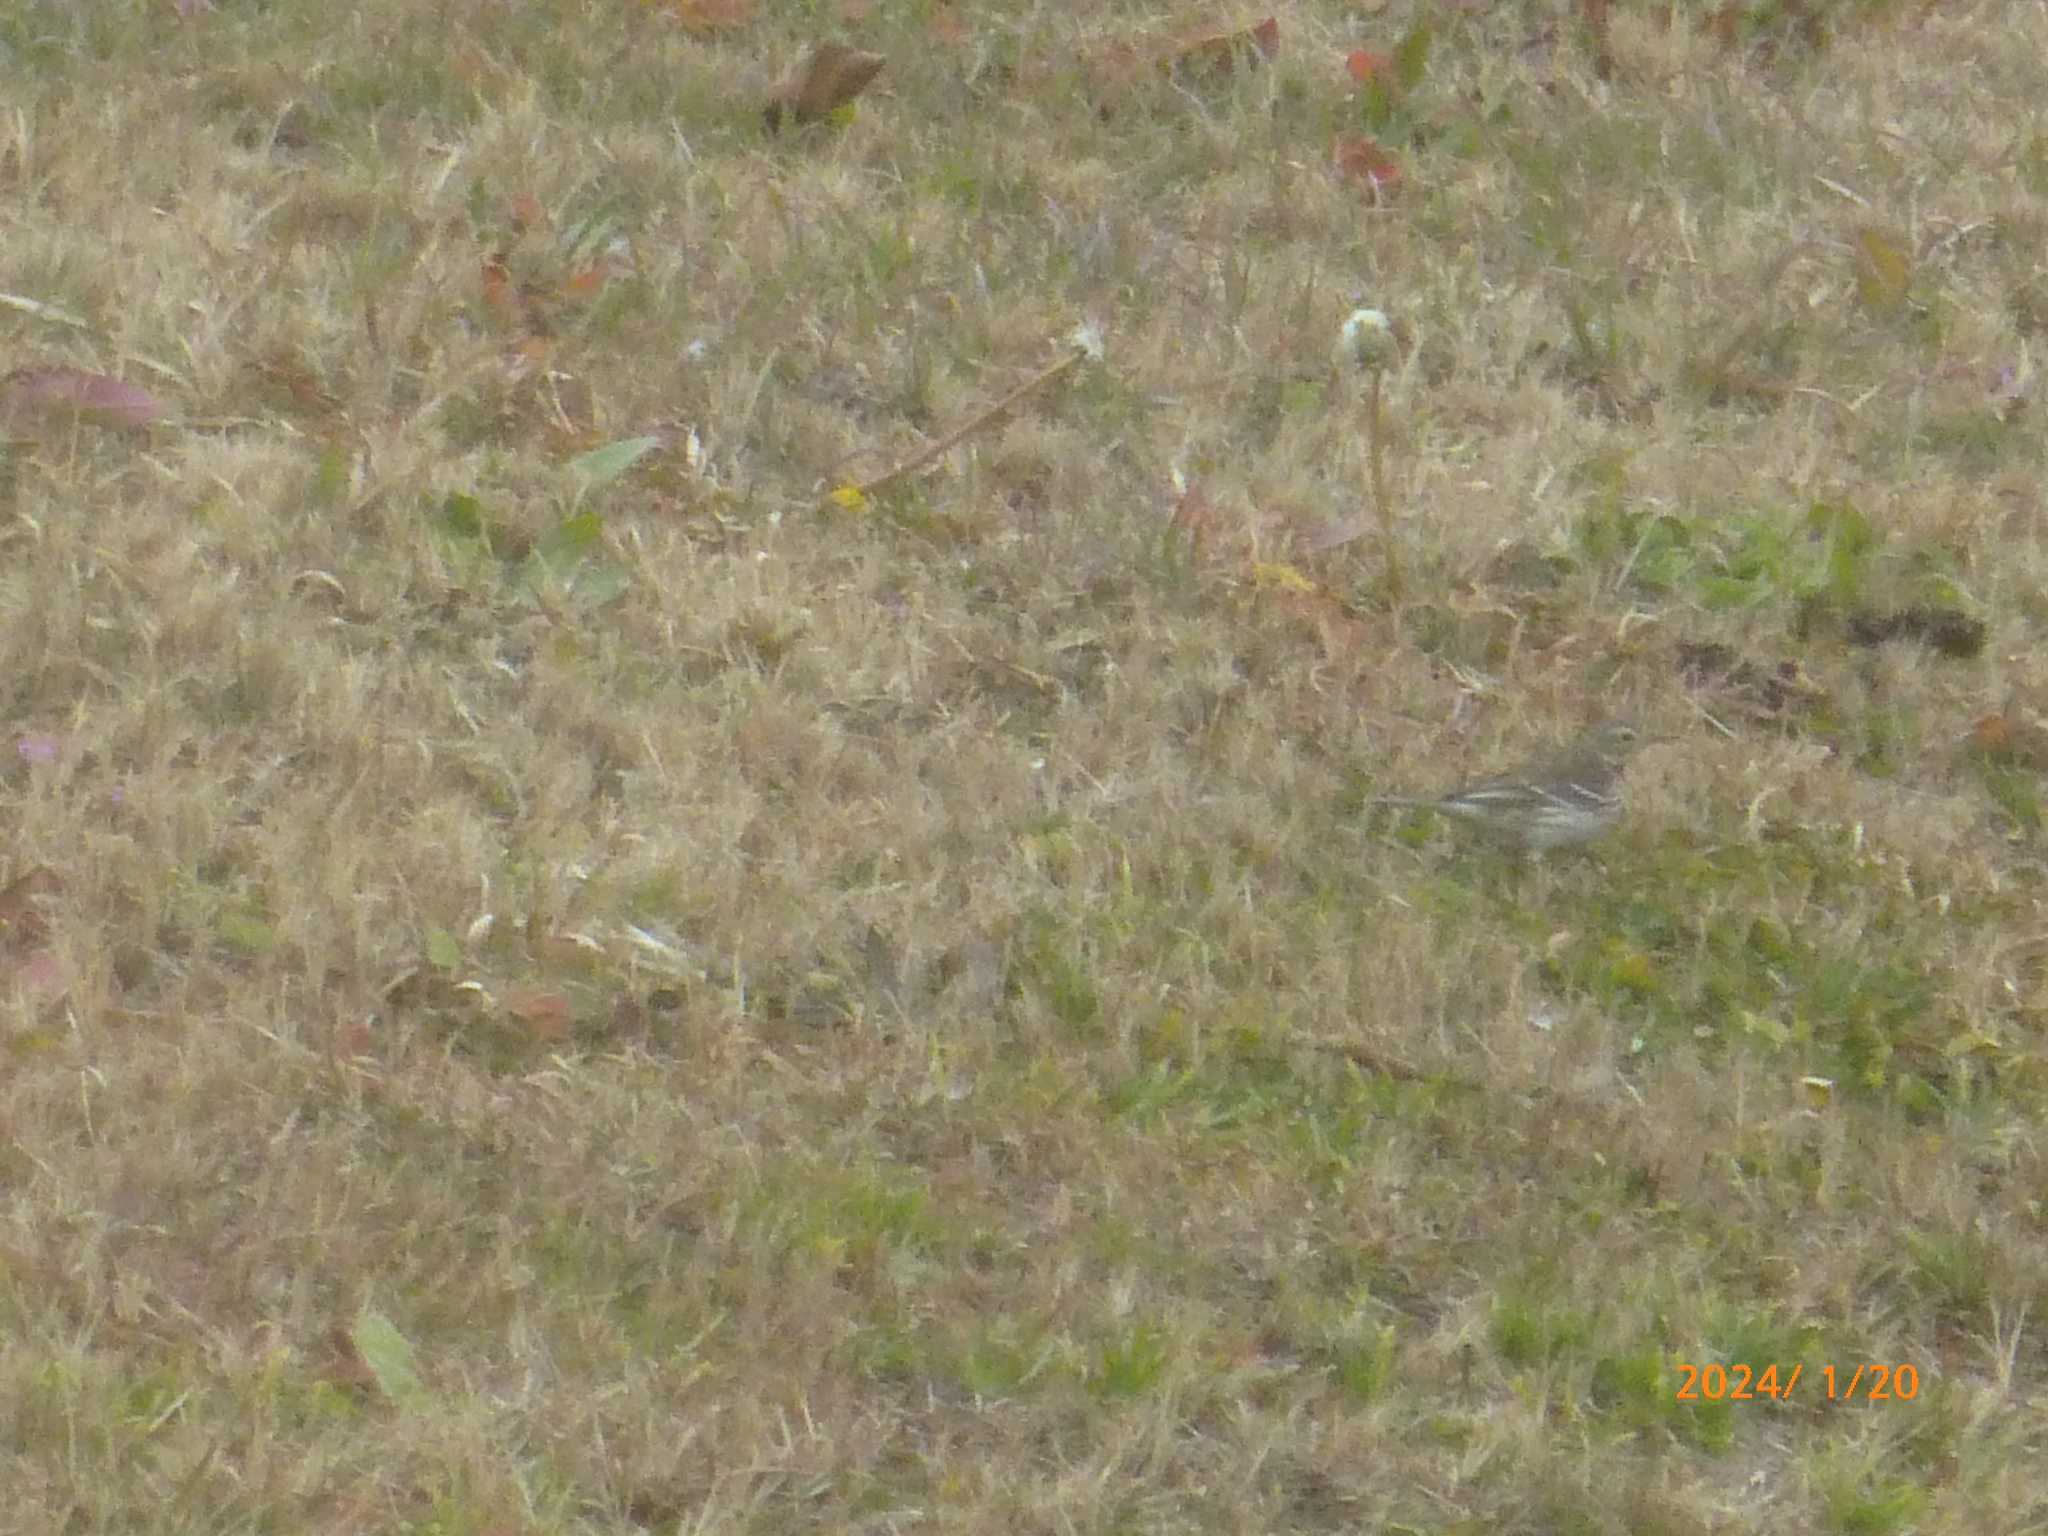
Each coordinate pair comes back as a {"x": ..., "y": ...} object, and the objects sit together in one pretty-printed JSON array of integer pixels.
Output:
[{"x": 700, "y": 693}]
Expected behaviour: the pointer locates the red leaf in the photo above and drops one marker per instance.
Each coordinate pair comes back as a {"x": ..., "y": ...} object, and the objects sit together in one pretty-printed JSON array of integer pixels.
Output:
[
  {"x": 1367, "y": 66},
  {"x": 1359, "y": 158},
  {"x": 544, "y": 1012},
  {"x": 92, "y": 397},
  {"x": 528, "y": 213},
  {"x": 586, "y": 282}
]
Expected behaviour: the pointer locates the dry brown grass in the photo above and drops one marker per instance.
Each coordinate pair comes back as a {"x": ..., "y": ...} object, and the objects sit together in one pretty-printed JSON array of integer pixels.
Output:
[{"x": 557, "y": 1002}]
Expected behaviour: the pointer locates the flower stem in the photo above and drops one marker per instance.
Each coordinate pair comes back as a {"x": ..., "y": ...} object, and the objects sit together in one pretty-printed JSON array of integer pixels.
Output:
[{"x": 1376, "y": 453}]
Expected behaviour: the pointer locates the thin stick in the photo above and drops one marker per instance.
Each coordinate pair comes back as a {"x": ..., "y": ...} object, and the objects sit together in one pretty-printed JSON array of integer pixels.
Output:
[{"x": 924, "y": 456}]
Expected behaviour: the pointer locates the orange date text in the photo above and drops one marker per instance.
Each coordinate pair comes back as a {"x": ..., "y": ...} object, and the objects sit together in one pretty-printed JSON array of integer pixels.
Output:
[{"x": 1741, "y": 1382}]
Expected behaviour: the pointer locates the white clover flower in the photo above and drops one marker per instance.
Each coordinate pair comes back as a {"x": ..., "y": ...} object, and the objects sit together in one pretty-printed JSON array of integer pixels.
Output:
[
  {"x": 1087, "y": 339},
  {"x": 1366, "y": 340}
]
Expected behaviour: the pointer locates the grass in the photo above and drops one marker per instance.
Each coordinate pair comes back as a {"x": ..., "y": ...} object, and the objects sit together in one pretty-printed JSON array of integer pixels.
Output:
[{"x": 563, "y": 978}]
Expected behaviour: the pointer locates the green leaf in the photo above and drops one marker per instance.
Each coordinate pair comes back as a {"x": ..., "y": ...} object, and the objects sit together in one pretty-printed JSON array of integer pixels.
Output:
[
  {"x": 1377, "y": 106},
  {"x": 1411, "y": 58},
  {"x": 390, "y": 1360},
  {"x": 443, "y": 953},
  {"x": 1849, "y": 541},
  {"x": 570, "y": 540},
  {"x": 563, "y": 549},
  {"x": 247, "y": 933},
  {"x": 330, "y": 477},
  {"x": 603, "y": 465},
  {"x": 601, "y": 582},
  {"x": 461, "y": 516}
]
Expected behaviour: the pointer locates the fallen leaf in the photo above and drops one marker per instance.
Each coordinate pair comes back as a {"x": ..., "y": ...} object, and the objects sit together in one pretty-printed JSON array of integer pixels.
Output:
[
  {"x": 1195, "y": 515},
  {"x": 832, "y": 76},
  {"x": 353, "y": 1037},
  {"x": 1992, "y": 733},
  {"x": 1285, "y": 578},
  {"x": 344, "y": 1365},
  {"x": 586, "y": 282},
  {"x": 1594, "y": 13},
  {"x": 546, "y": 1013},
  {"x": 2012, "y": 737},
  {"x": 290, "y": 383},
  {"x": 1335, "y": 534},
  {"x": 1366, "y": 66},
  {"x": 22, "y": 924},
  {"x": 528, "y": 213},
  {"x": 40, "y": 973},
  {"x": 1206, "y": 55},
  {"x": 90, "y": 397},
  {"x": 704, "y": 17},
  {"x": 1884, "y": 273},
  {"x": 389, "y": 1355},
  {"x": 500, "y": 297},
  {"x": 1360, "y": 159},
  {"x": 1217, "y": 54}
]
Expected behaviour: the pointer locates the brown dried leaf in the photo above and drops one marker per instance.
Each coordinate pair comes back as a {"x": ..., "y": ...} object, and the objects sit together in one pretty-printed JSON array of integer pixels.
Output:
[
  {"x": 703, "y": 18},
  {"x": 1358, "y": 158},
  {"x": 40, "y": 973},
  {"x": 832, "y": 76},
  {"x": 1204, "y": 56},
  {"x": 1218, "y": 54},
  {"x": 1600, "y": 33},
  {"x": 1336, "y": 534},
  {"x": 343, "y": 1364},
  {"x": 545, "y": 1012},
  {"x": 22, "y": 924},
  {"x": 1195, "y": 515},
  {"x": 29, "y": 393},
  {"x": 528, "y": 212}
]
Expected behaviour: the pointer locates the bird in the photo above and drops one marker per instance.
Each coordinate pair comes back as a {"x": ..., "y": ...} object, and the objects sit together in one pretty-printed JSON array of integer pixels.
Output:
[{"x": 1554, "y": 801}]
